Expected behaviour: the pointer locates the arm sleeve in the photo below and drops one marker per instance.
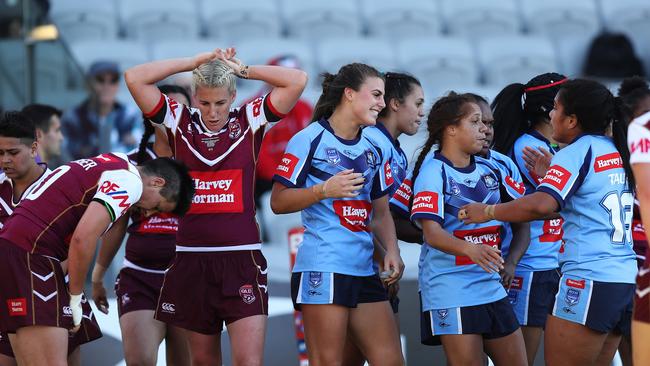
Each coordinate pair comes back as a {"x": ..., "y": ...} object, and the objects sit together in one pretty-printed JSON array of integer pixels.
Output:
[
  {"x": 428, "y": 201},
  {"x": 117, "y": 191},
  {"x": 638, "y": 140},
  {"x": 295, "y": 163},
  {"x": 260, "y": 111},
  {"x": 167, "y": 113},
  {"x": 566, "y": 174}
]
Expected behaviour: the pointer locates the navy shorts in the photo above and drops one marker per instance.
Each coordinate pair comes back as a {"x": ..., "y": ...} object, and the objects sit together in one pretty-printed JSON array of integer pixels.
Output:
[
  {"x": 602, "y": 306},
  {"x": 335, "y": 288},
  {"x": 491, "y": 321},
  {"x": 532, "y": 295}
]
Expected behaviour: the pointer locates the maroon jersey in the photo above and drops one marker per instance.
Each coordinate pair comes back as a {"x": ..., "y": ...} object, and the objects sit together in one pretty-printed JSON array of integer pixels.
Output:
[
  {"x": 8, "y": 202},
  {"x": 46, "y": 217},
  {"x": 638, "y": 235},
  {"x": 222, "y": 165},
  {"x": 152, "y": 240}
]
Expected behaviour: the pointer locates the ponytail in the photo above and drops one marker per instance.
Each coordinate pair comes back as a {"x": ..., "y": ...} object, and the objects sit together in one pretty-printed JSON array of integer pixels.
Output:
[
  {"x": 619, "y": 136},
  {"x": 428, "y": 145},
  {"x": 325, "y": 105},
  {"x": 141, "y": 155},
  {"x": 510, "y": 121}
]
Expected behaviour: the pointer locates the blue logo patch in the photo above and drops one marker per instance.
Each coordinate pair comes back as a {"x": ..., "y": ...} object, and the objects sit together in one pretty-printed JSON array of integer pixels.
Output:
[
  {"x": 454, "y": 188},
  {"x": 315, "y": 279},
  {"x": 571, "y": 298},
  {"x": 442, "y": 313},
  {"x": 490, "y": 182},
  {"x": 333, "y": 156},
  {"x": 371, "y": 159},
  {"x": 512, "y": 296}
]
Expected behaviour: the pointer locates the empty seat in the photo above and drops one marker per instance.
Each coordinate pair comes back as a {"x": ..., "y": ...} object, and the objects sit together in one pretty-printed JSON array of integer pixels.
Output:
[
  {"x": 153, "y": 20},
  {"x": 89, "y": 19},
  {"x": 479, "y": 18},
  {"x": 509, "y": 59},
  {"x": 402, "y": 19},
  {"x": 628, "y": 16},
  {"x": 165, "y": 49},
  {"x": 318, "y": 19},
  {"x": 233, "y": 22},
  {"x": 440, "y": 63},
  {"x": 125, "y": 53},
  {"x": 559, "y": 18},
  {"x": 334, "y": 53}
]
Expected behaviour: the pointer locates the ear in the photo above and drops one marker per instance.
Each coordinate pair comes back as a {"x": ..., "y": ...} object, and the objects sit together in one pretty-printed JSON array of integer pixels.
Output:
[
  {"x": 348, "y": 94},
  {"x": 394, "y": 104},
  {"x": 157, "y": 182},
  {"x": 572, "y": 121},
  {"x": 34, "y": 149},
  {"x": 233, "y": 95},
  {"x": 452, "y": 130},
  {"x": 39, "y": 134}
]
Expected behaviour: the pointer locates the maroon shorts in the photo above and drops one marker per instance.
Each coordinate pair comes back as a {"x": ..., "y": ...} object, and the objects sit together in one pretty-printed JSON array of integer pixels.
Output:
[
  {"x": 89, "y": 330},
  {"x": 201, "y": 291},
  {"x": 137, "y": 290},
  {"x": 642, "y": 294},
  {"x": 32, "y": 290}
]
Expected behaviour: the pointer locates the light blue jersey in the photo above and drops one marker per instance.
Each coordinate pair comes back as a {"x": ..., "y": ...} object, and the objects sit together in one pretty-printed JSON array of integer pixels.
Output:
[
  {"x": 545, "y": 235},
  {"x": 588, "y": 181},
  {"x": 337, "y": 231},
  {"x": 445, "y": 280},
  {"x": 399, "y": 163}
]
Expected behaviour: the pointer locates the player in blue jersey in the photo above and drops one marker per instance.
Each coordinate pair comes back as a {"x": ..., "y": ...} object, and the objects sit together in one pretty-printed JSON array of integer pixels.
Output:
[
  {"x": 519, "y": 126},
  {"x": 404, "y": 99},
  {"x": 339, "y": 179},
  {"x": 464, "y": 304},
  {"x": 591, "y": 184}
]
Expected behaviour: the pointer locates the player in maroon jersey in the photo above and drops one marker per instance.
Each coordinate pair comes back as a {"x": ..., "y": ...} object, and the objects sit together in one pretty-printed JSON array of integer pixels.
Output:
[
  {"x": 150, "y": 248},
  {"x": 60, "y": 219},
  {"x": 219, "y": 273}
]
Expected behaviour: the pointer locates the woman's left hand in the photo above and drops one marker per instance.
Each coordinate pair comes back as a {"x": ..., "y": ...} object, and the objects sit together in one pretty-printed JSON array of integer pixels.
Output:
[
  {"x": 227, "y": 56},
  {"x": 393, "y": 262},
  {"x": 473, "y": 213}
]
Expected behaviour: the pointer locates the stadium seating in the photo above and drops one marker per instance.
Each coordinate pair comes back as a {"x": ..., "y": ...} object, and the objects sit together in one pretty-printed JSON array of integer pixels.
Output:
[
  {"x": 397, "y": 20},
  {"x": 315, "y": 20},
  {"x": 88, "y": 19},
  {"x": 336, "y": 52},
  {"x": 571, "y": 52},
  {"x": 125, "y": 53},
  {"x": 153, "y": 20},
  {"x": 479, "y": 18},
  {"x": 559, "y": 18},
  {"x": 233, "y": 22}
]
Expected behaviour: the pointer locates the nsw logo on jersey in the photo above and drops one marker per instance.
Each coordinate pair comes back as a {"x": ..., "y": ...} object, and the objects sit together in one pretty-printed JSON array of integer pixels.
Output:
[
  {"x": 552, "y": 231},
  {"x": 287, "y": 165},
  {"x": 217, "y": 192},
  {"x": 354, "y": 215},
  {"x": 490, "y": 182},
  {"x": 403, "y": 194},
  {"x": 607, "y": 162},
  {"x": 425, "y": 202},
  {"x": 332, "y": 156},
  {"x": 490, "y": 235},
  {"x": 557, "y": 176}
]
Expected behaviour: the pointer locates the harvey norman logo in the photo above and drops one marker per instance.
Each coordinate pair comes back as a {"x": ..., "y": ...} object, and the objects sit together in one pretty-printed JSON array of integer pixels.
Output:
[
  {"x": 490, "y": 235},
  {"x": 557, "y": 176},
  {"x": 354, "y": 215},
  {"x": 607, "y": 162},
  {"x": 217, "y": 192}
]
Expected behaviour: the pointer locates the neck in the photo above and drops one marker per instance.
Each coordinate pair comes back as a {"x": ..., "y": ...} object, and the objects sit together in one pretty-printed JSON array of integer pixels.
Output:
[
  {"x": 32, "y": 175},
  {"x": 342, "y": 126},
  {"x": 45, "y": 157},
  {"x": 455, "y": 155},
  {"x": 545, "y": 129},
  {"x": 391, "y": 126}
]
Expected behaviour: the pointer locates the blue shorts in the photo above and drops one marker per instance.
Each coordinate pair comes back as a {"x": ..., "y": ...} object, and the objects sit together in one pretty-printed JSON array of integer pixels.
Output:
[
  {"x": 532, "y": 295},
  {"x": 492, "y": 320},
  {"x": 335, "y": 288},
  {"x": 602, "y": 306}
]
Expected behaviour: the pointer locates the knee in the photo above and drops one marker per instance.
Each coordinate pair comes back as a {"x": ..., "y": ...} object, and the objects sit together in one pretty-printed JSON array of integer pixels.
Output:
[
  {"x": 247, "y": 362},
  {"x": 205, "y": 359},
  {"x": 139, "y": 359}
]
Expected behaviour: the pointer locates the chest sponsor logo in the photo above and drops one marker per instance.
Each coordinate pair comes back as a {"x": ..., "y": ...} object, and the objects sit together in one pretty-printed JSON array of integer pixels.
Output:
[
  {"x": 163, "y": 223},
  {"x": 490, "y": 235},
  {"x": 217, "y": 192},
  {"x": 641, "y": 146},
  {"x": 354, "y": 215},
  {"x": 403, "y": 193},
  {"x": 557, "y": 176},
  {"x": 247, "y": 294},
  {"x": 517, "y": 186},
  {"x": 17, "y": 307},
  {"x": 210, "y": 142},
  {"x": 114, "y": 191},
  {"x": 552, "y": 231},
  {"x": 388, "y": 174},
  {"x": 287, "y": 166},
  {"x": 425, "y": 202},
  {"x": 332, "y": 156},
  {"x": 234, "y": 130},
  {"x": 607, "y": 162}
]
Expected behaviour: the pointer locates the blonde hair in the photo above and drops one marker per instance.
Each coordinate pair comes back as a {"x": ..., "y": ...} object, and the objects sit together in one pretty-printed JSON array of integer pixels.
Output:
[{"x": 214, "y": 74}]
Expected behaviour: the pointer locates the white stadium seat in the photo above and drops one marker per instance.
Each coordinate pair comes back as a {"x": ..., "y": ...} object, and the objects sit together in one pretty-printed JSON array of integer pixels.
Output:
[
  {"x": 440, "y": 63},
  {"x": 507, "y": 59},
  {"x": 560, "y": 18},
  {"x": 334, "y": 53},
  {"x": 480, "y": 18},
  {"x": 233, "y": 22},
  {"x": 318, "y": 19},
  {"x": 402, "y": 19},
  {"x": 88, "y": 19},
  {"x": 153, "y": 20}
]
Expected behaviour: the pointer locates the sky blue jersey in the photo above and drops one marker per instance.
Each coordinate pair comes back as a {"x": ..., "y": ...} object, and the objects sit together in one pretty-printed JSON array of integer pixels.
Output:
[
  {"x": 588, "y": 181},
  {"x": 337, "y": 231},
  {"x": 399, "y": 162}
]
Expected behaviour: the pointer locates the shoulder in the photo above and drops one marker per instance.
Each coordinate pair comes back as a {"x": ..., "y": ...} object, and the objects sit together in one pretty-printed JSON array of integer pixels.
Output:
[{"x": 641, "y": 122}]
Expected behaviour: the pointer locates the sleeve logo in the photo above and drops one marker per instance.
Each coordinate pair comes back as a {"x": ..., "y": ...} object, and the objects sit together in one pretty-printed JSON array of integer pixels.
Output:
[
  {"x": 640, "y": 146},
  {"x": 490, "y": 235},
  {"x": 173, "y": 105},
  {"x": 425, "y": 202},
  {"x": 388, "y": 173},
  {"x": 287, "y": 166},
  {"x": 517, "y": 186},
  {"x": 354, "y": 215},
  {"x": 112, "y": 190},
  {"x": 17, "y": 307},
  {"x": 557, "y": 176},
  {"x": 551, "y": 231},
  {"x": 403, "y": 194},
  {"x": 257, "y": 106},
  {"x": 607, "y": 162}
]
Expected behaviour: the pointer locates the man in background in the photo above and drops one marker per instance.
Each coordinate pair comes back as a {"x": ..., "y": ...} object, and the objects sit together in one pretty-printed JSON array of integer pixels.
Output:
[{"x": 47, "y": 120}]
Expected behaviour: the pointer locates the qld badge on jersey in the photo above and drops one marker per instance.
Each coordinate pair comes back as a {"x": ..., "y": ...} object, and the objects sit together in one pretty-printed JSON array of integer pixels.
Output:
[
  {"x": 315, "y": 279},
  {"x": 490, "y": 182},
  {"x": 332, "y": 156},
  {"x": 234, "y": 130}
]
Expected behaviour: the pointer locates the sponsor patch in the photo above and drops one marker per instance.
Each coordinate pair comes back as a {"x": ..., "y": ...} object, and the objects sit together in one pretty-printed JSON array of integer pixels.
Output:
[
  {"x": 173, "y": 105},
  {"x": 517, "y": 283},
  {"x": 575, "y": 283},
  {"x": 287, "y": 166},
  {"x": 552, "y": 231},
  {"x": 388, "y": 173},
  {"x": 246, "y": 293},
  {"x": 162, "y": 223},
  {"x": 607, "y": 162},
  {"x": 557, "y": 176},
  {"x": 217, "y": 192},
  {"x": 517, "y": 186},
  {"x": 641, "y": 146},
  {"x": 17, "y": 307},
  {"x": 425, "y": 202},
  {"x": 490, "y": 235},
  {"x": 354, "y": 215},
  {"x": 257, "y": 106},
  {"x": 403, "y": 193}
]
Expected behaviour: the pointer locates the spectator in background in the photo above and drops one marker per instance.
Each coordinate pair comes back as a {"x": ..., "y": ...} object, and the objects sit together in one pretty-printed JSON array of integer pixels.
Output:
[
  {"x": 47, "y": 120},
  {"x": 100, "y": 123},
  {"x": 276, "y": 139}
]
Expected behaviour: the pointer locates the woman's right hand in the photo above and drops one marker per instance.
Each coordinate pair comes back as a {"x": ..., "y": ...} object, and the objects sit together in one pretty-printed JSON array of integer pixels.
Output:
[
  {"x": 486, "y": 256},
  {"x": 204, "y": 58},
  {"x": 99, "y": 296},
  {"x": 343, "y": 184}
]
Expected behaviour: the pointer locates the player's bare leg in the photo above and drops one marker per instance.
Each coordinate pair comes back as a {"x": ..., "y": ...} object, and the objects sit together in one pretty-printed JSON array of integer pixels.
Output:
[
  {"x": 568, "y": 343},
  {"x": 463, "y": 349},
  {"x": 325, "y": 333},
  {"x": 177, "y": 350},
  {"x": 205, "y": 349},
  {"x": 39, "y": 345},
  {"x": 352, "y": 355},
  {"x": 141, "y": 337},
  {"x": 375, "y": 331},
  {"x": 7, "y": 361},
  {"x": 609, "y": 350},
  {"x": 509, "y": 350},
  {"x": 247, "y": 340},
  {"x": 74, "y": 358},
  {"x": 532, "y": 339},
  {"x": 640, "y": 338}
]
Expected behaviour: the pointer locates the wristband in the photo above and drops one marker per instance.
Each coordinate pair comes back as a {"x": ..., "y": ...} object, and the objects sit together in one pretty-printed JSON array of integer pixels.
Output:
[
  {"x": 75, "y": 307},
  {"x": 489, "y": 211}
]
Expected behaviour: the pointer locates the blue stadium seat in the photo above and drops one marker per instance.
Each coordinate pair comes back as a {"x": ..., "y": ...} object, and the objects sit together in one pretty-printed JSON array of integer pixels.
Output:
[
  {"x": 479, "y": 18},
  {"x": 440, "y": 63},
  {"x": 154, "y": 20},
  {"x": 572, "y": 52},
  {"x": 402, "y": 19},
  {"x": 233, "y": 22},
  {"x": 318, "y": 19},
  {"x": 509, "y": 59},
  {"x": 334, "y": 53},
  {"x": 559, "y": 18},
  {"x": 125, "y": 53},
  {"x": 89, "y": 19}
]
